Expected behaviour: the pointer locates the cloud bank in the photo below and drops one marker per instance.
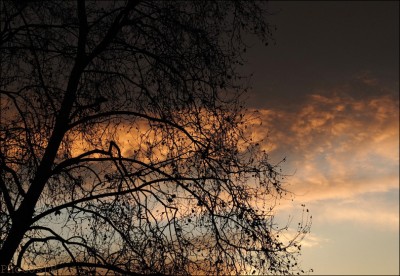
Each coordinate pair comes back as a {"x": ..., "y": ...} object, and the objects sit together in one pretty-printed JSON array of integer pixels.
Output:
[
  {"x": 339, "y": 149},
  {"x": 337, "y": 146}
]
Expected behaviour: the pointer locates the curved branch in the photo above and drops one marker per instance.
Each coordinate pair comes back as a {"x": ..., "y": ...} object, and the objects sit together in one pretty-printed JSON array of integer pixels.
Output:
[
  {"x": 75, "y": 160},
  {"x": 26, "y": 245},
  {"x": 56, "y": 237},
  {"x": 81, "y": 200},
  {"x": 111, "y": 114}
]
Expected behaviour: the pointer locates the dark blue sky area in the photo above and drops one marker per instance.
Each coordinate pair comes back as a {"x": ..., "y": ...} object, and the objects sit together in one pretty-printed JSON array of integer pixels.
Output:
[{"x": 324, "y": 44}]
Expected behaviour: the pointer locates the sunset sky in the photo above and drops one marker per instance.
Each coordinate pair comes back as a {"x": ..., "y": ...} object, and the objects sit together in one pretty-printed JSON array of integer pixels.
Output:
[
  {"x": 327, "y": 96},
  {"x": 125, "y": 153}
]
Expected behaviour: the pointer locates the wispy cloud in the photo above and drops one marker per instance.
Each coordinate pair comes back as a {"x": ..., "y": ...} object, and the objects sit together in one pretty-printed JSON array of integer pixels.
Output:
[
  {"x": 337, "y": 146},
  {"x": 376, "y": 213},
  {"x": 340, "y": 149}
]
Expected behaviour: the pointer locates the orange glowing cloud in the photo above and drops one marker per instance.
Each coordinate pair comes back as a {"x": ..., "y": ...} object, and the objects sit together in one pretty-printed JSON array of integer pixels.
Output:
[{"x": 337, "y": 146}]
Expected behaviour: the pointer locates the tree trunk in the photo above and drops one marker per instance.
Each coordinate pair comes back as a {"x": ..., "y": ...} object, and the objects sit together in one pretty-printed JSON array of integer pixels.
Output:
[{"x": 22, "y": 218}]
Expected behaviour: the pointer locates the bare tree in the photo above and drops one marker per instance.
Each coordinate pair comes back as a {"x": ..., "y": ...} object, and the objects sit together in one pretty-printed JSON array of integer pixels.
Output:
[{"x": 122, "y": 141}]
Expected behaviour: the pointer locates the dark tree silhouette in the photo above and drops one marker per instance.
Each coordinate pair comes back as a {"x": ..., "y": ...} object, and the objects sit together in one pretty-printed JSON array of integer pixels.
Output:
[{"x": 122, "y": 141}]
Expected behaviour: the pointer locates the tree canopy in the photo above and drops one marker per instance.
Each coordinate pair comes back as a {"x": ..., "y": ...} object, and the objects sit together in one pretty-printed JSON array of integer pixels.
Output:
[{"x": 123, "y": 147}]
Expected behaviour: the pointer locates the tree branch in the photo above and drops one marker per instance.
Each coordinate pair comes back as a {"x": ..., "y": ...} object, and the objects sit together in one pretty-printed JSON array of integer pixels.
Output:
[
  {"x": 110, "y": 114},
  {"x": 83, "y": 29},
  {"x": 7, "y": 198},
  {"x": 114, "y": 29}
]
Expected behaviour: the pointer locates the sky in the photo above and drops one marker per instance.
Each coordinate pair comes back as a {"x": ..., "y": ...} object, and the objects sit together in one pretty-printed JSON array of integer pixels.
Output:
[{"x": 327, "y": 94}]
